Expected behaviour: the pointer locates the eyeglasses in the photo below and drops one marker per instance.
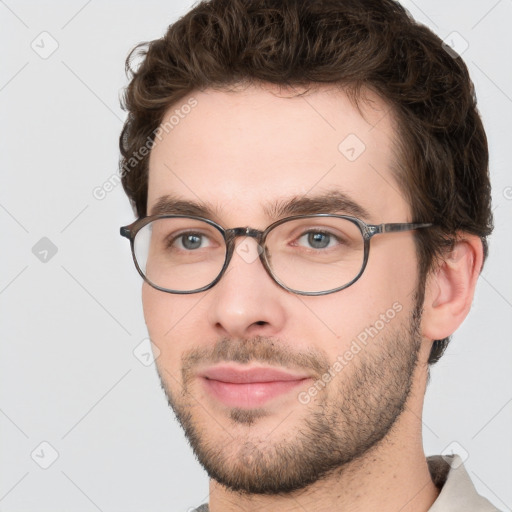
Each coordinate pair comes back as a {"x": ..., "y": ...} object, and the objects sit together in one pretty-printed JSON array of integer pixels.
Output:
[{"x": 306, "y": 254}]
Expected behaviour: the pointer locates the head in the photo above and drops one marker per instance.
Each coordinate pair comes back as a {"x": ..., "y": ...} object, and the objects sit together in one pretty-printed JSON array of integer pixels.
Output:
[{"x": 243, "y": 109}]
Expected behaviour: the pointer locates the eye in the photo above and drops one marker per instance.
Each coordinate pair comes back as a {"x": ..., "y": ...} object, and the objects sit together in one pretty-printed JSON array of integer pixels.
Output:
[
  {"x": 190, "y": 241},
  {"x": 318, "y": 239}
]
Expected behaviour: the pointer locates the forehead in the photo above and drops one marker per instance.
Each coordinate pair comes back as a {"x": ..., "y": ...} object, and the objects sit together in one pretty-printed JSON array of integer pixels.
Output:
[{"x": 244, "y": 151}]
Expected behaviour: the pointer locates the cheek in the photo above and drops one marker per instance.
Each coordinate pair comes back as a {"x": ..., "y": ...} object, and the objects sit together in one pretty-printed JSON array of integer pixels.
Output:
[
  {"x": 174, "y": 324},
  {"x": 385, "y": 292},
  {"x": 161, "y": 316},
  {"x": 155, "y": 307},
  {"x": 392, "y": 266}
]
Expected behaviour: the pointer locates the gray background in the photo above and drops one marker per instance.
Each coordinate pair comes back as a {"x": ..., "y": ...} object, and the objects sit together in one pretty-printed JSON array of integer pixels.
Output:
[{"x": 70, "y": 321}]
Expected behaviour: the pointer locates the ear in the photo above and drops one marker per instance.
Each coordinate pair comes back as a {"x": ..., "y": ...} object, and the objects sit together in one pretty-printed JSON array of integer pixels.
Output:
[{"x": 450, "y": 288}]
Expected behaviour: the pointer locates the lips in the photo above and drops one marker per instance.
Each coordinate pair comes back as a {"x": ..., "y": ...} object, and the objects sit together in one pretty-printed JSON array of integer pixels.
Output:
[{"x": 249, "y": 387}]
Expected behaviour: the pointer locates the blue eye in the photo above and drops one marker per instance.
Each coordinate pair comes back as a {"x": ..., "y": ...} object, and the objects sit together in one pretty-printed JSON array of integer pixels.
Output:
[
  {"x": 317, "y": 239},
  {"x": 191, "y": 241}
]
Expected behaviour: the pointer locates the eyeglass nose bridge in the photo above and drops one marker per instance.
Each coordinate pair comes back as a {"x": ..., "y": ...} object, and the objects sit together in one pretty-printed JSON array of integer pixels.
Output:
[
  {"x": 230, "y": 236},
  {"x": 233, "y": 233}
]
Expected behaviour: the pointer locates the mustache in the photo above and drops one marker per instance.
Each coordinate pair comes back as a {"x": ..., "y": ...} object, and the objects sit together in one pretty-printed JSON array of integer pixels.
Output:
[{"x": 259, "y": 349}]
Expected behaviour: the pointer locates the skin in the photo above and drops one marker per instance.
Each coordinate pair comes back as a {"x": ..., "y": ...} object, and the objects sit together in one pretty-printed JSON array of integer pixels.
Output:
[{"x": 238, "y": 151}]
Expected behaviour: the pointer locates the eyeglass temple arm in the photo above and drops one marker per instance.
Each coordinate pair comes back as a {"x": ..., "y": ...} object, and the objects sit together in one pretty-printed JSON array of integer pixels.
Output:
[{"x": 395, "y": 227}]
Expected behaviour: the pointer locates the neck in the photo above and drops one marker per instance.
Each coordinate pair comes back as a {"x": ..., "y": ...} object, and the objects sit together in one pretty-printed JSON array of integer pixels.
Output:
[{"x": 392, "y": 476}]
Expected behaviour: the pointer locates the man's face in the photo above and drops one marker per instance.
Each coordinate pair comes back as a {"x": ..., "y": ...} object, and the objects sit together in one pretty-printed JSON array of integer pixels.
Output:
[{"x": 274, "y": 389}]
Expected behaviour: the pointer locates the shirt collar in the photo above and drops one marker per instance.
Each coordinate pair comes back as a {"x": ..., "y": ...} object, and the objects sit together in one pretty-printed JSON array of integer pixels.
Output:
[{"x": 457, "y": 491}]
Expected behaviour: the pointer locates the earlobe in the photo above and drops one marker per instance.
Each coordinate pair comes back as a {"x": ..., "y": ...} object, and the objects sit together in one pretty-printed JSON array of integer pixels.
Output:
[{"x": 450, "y": 288}]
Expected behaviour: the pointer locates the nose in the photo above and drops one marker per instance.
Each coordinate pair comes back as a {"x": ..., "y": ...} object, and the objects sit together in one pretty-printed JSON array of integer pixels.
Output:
[{"x": 246, "y": 301}]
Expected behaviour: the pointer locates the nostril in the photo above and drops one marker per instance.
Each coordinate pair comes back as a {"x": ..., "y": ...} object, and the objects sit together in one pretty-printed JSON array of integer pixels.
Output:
[{"x": 260, "y": 322}]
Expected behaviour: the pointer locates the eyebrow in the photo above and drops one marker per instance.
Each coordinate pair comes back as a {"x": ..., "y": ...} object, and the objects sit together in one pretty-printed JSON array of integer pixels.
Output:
[{"x": 331, "y": 202}]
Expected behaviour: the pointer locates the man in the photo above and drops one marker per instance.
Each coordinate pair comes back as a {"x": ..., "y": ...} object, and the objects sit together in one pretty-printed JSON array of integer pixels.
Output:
[{"x": 269, "y": 145}]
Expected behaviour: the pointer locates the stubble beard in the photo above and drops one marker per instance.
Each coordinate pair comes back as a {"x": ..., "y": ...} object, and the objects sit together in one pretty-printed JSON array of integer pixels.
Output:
[{"x": 338, "y": 428}]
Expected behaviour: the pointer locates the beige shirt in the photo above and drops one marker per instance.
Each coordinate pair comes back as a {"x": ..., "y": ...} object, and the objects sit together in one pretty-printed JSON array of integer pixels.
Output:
[{"x": 458, "y": 494}]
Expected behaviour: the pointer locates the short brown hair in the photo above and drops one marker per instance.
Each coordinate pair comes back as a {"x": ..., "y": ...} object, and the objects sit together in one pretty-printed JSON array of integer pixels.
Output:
[{"x": 355, "y": 44}]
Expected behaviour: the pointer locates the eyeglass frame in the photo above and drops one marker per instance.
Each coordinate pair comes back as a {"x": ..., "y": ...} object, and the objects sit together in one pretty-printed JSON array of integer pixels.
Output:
[{"x": 368, "y": 231}]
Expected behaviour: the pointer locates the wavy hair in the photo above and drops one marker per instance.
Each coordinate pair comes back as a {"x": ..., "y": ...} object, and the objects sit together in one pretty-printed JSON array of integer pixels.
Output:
[{"x": 356, "y": 44}]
